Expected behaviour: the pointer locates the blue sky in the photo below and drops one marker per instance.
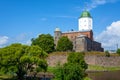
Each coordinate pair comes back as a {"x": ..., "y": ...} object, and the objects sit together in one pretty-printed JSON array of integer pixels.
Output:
[{"x": 21, "y": 20}]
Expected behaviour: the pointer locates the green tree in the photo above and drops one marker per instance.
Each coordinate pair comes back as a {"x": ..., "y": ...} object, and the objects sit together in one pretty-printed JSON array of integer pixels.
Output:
[
  {"x": 45, "y": 41},
  {"x": 21, "y": 59},
  {"x": 118, "y": 51},
  {"x": 74, "y": 69},
  {"x": 107, "y": 54},
  {"x": 78, "y": 58},
  {"x": 64, "y": 44}
]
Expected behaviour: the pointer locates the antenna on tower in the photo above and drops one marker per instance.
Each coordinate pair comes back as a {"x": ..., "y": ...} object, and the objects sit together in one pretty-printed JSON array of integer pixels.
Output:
[
  {"x": 86, "y": 6},
  {"x": 117, "y": 46}
]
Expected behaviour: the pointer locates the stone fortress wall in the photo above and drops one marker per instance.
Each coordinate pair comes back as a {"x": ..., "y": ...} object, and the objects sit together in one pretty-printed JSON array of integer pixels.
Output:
[{"x": 100, "y": 60}]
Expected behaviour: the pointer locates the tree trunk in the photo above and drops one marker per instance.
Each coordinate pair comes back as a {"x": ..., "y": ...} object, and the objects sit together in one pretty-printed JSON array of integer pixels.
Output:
[{"x": 20, "y": 74}]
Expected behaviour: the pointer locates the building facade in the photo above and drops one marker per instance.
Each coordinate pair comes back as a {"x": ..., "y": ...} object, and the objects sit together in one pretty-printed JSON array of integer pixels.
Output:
[{"x": 83, "y": 38}]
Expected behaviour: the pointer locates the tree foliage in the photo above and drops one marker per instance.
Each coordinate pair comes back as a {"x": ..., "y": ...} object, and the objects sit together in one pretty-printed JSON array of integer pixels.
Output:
[
  {"x": 107, "y": 54},
  {"x": 77, "y": 58},
  {"x": 118, "y": 51},
  {"x": 74, "y": 69},
  {"x": 64, "y": 44},
  {"x": 45, "y": 41},
  {"x": 21, "y": 59}
]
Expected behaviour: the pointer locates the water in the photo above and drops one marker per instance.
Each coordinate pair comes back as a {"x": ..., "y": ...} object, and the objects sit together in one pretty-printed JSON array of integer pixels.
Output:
[{"x": 110, "y": 75}]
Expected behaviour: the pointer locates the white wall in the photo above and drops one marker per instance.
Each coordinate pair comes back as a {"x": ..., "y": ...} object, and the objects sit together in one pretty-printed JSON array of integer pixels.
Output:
[{"x": 85, "y": 24}]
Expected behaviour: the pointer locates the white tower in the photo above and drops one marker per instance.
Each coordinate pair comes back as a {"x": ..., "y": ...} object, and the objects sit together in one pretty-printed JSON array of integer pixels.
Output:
[{"x": 85, "y": 21}]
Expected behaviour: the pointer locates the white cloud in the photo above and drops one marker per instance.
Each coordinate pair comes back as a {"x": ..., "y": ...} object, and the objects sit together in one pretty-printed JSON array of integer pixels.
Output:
[
  {"x": 3, "y": 40},
  {"x": 21, "y": 37},
  {"x": 111, "y": 36},
  {"x": 94, "y": 3},
  {"x": 28, "y": 42}
]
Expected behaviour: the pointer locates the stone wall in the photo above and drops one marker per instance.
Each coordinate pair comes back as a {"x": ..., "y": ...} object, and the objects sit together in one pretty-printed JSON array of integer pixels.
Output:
[
  {"x": 102, "y": 60},
  {"x": 52, "y": 60},
  {"x": 90, "y": 59}
]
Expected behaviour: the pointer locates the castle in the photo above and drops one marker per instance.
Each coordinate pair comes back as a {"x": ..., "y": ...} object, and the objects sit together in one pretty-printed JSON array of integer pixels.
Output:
[{"x": 83, "y": 38}]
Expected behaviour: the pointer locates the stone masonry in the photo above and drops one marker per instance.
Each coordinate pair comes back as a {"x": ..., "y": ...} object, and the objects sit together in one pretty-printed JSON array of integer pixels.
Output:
[{"x": 99, "y": 60}]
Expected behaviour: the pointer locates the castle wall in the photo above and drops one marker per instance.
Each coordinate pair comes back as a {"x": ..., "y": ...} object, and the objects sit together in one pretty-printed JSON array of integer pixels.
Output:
[
  {"x": 93, "y": 45},
  {"x": 80, "y": 44},
  {"x": 57, "y": 35},
  {"x": 73, "y": 34},
  {"x": 100, "y": 60},
  {"x": 82, "y": 40},
  {"x": 83, "y": 43}
]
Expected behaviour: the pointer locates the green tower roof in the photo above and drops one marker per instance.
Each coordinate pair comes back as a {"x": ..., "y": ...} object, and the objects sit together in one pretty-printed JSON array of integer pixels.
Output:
[{"x": 85, "y": 14}]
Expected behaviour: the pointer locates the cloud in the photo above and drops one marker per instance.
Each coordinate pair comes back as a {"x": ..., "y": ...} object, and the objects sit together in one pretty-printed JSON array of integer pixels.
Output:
[
  {"x": 21, "y": 37},
  {"x": 28, "y": 42},
  {"x": 111, "y": 36},
  {"x": 3, "y": 40},
  {"x": 95, "y": 3}
]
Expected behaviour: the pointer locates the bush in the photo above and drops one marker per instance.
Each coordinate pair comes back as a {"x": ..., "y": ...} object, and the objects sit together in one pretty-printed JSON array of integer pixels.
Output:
[
  {"x": 118, "y": 51},
  {"x": 74, "y": 69},
  {"x": 107, "y": 54}
]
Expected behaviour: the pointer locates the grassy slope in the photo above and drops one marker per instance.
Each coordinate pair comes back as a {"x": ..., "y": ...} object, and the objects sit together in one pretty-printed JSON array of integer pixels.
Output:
[{"x": 101, "y": 68}]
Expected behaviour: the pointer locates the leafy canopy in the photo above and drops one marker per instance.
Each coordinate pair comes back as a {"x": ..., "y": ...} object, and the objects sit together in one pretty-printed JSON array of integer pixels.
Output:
[
  {"x": 20, "y": 59},
  {"x": 45, "y": 41},
  {"x": 64, "y": 44},
  {"x": 107, "y": 54},
  {"x": 74, "y": 69},
  {"x": 77, "y": 58},
  {"x": 118, "y": 51}
]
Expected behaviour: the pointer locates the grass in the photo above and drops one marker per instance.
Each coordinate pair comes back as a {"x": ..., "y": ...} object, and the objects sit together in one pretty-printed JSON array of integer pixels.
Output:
[
  {"x": 58, "y": 53},
  {"x": 86, "y": 53},
  {"x": 6, "y": 77},
  {"x": 87, "y": 78},
  {"x": 92, "y": 68},
  {"x": 51, "y": 69},
  {"x": 101, "y": 68}
]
